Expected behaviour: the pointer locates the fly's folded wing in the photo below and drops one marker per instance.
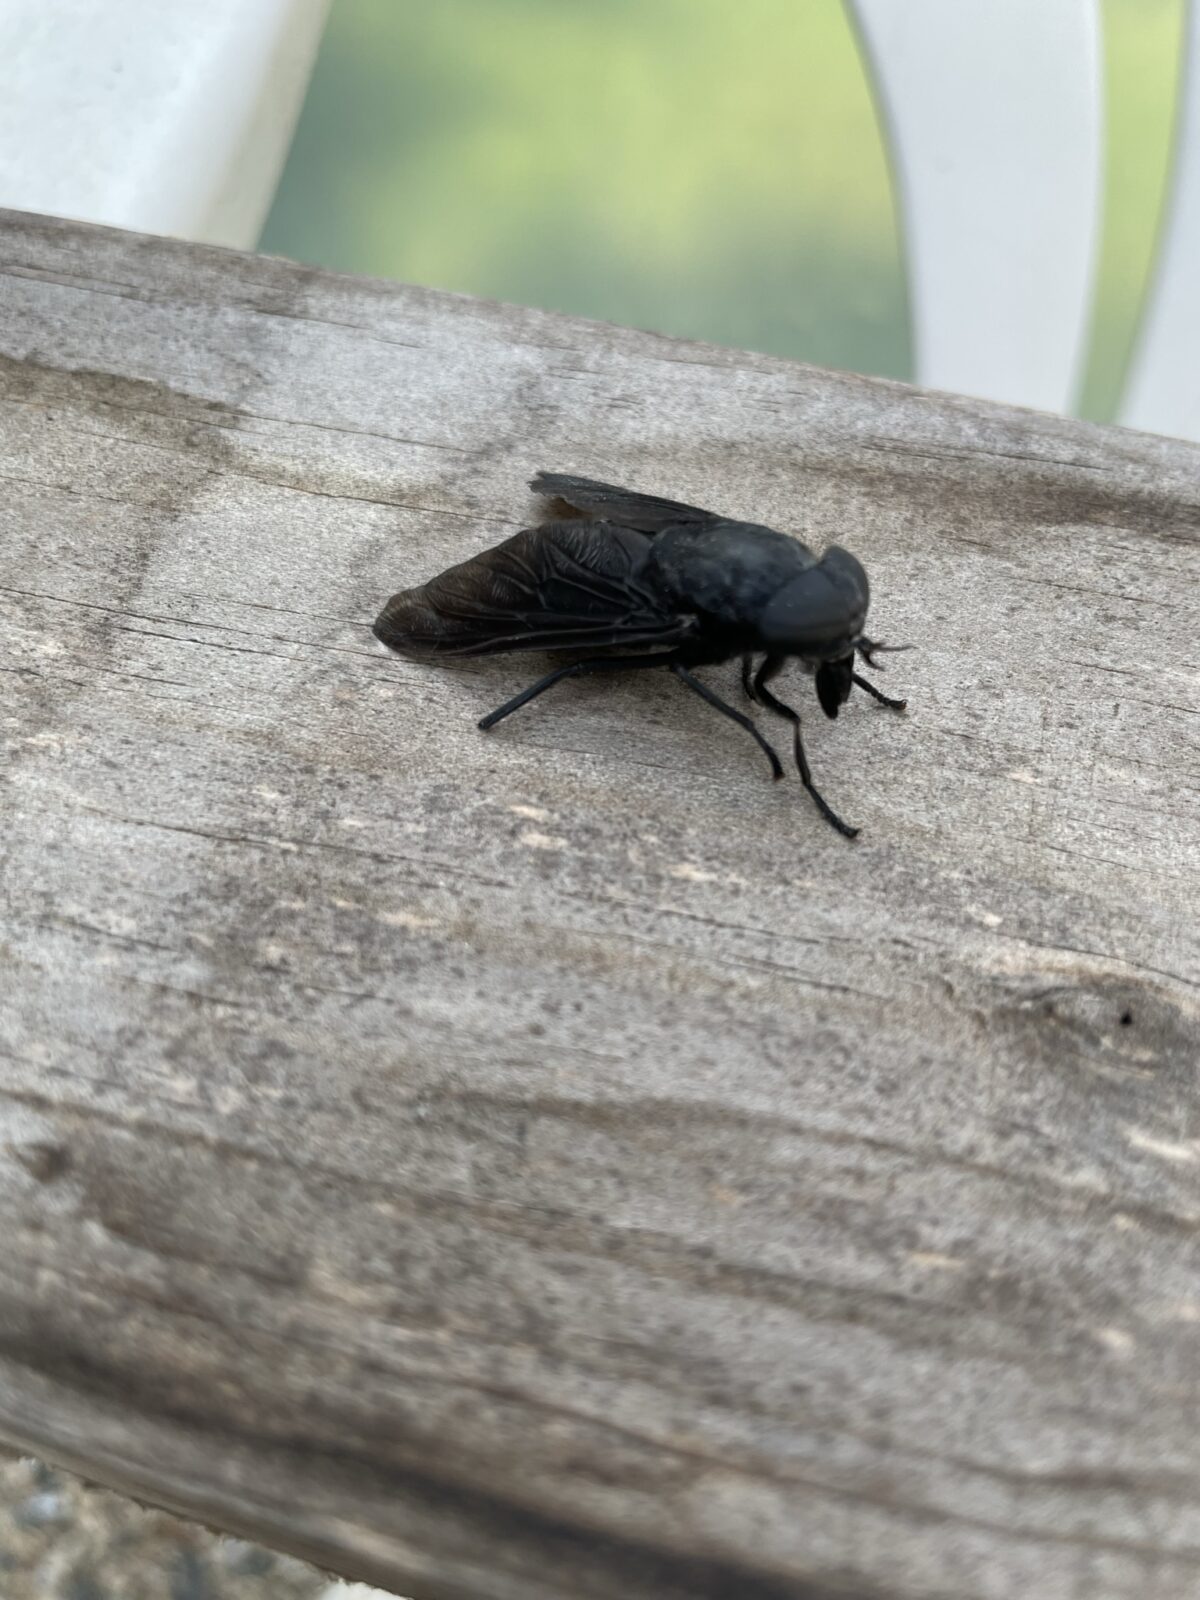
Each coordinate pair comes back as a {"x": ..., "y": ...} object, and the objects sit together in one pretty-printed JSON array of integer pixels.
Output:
[
  {"x": 648, "y": 513},
  {"x": 562, "y": 586}
]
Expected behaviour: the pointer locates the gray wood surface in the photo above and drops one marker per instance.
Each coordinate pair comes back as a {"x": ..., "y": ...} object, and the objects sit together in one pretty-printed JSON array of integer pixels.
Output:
[{"x": 553, "y": 1163}]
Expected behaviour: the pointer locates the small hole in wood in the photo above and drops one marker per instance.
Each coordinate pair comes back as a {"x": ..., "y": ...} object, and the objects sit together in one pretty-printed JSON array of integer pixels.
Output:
[{"x": 1126, "y": 1019}]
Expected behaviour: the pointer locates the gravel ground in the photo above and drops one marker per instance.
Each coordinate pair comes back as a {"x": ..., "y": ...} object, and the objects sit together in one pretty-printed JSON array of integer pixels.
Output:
[{"x": 61, "y": 1539}]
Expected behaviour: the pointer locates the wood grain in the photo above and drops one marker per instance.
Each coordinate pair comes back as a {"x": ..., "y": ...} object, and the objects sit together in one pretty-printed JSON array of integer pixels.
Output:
[{"x": 552, "y": 1163}]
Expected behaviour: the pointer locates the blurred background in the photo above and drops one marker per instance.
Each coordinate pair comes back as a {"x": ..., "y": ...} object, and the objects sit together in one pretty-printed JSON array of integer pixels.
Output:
[{"x": 688, "y": 166}]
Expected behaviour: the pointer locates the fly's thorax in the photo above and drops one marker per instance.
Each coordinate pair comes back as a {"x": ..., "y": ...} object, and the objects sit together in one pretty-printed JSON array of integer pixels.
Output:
[{"x": 728, "y": 571}]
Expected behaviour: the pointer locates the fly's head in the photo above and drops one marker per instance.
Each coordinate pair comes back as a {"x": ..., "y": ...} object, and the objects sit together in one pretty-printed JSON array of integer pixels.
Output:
[
  {"x": 820, "y": 613},
  {"x": 820, "y": 616}
]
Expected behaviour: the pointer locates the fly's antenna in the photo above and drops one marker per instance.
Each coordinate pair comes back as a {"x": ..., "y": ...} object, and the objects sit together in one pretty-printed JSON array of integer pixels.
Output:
[{"x": 868, "y": 649}]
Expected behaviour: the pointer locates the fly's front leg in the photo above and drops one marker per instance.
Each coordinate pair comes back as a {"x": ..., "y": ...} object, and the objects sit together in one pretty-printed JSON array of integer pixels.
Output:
[
  {"x": 877, "y": 694},
  {"x": 769, "y": 669}
]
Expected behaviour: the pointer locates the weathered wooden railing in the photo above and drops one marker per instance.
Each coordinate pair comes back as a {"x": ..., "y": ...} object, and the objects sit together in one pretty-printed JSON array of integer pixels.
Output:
[{"x": 553, "y": 1163}]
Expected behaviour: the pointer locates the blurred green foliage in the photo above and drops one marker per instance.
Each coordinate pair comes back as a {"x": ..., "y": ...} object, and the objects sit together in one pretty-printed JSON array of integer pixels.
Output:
[
  {"x": 1143, "y": 41},
  {"x": 691, "y": 166}
]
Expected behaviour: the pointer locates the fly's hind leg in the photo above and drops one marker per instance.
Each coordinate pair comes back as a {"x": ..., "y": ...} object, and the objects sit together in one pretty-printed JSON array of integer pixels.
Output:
[
  {"x": 576, "y": 669},
  {"x": 664, "y": 658}
]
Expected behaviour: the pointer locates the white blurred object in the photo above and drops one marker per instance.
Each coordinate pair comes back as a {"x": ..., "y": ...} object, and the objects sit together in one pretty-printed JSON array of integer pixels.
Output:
[
  {"x": 993, "y": 113},
  {"x": 166, "y": 116},
  {"x": 1163, "y": 392},
  {"x": 175, "y": 116},
  {"x": 354, "y": 1591}
]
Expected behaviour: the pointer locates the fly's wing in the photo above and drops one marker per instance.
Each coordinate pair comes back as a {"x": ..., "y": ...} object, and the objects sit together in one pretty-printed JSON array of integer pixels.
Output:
[
  {"x": 648, "y": 513},
  {"x": 563, "y": 586}
]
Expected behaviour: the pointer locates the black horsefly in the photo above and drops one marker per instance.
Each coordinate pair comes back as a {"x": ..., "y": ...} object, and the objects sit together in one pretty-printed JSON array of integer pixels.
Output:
[{"x": 634, "y": 581}]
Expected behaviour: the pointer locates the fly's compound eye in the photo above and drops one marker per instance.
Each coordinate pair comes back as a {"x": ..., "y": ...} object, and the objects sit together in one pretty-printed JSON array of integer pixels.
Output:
[{"x": 817, "y": 614}]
